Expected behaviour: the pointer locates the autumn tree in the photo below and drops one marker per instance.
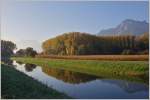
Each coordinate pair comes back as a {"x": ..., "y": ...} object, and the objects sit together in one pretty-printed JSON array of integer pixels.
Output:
[{"x": 76, "y": 43}]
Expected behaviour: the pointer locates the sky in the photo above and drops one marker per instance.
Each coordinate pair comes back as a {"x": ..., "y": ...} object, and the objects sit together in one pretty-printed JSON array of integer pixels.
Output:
[{"x": 29, "y": 23}]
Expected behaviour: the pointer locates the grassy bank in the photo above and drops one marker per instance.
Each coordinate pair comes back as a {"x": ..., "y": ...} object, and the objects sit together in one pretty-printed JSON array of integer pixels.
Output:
[
  {"x": 100, "y": 57},
  {"x": 15, "y": 84},
  {"x": 118, "y": 69}
]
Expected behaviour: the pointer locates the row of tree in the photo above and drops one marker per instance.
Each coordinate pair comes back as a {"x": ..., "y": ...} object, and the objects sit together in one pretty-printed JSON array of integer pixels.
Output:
[
  {"x": 28, "y": 52},
  {"x": 8, "y": 47},
  {"x": 76, "y": 43}
]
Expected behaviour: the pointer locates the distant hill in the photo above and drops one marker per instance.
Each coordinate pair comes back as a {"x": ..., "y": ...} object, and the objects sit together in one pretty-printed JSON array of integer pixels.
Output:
[{"x": 127, "y": 26}]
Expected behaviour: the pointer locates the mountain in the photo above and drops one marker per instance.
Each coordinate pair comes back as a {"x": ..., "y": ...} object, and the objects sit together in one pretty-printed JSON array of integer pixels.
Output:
[{"x": 127, "y": 26}]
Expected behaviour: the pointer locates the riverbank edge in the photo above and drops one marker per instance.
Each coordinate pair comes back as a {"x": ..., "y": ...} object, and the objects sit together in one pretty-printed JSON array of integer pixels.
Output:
[{"x": 17, "y": 85}]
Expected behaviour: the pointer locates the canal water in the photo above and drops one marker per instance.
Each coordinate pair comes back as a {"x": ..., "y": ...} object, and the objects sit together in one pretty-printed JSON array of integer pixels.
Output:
[{"x": 80, "y": 85}]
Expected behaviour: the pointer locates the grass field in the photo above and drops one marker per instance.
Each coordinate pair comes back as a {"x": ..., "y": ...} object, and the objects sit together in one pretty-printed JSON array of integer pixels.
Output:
[
  {"x": 125, "y": 69},
  {"x": 15, "y": 84},
  {"x": 100, "y": 57}
]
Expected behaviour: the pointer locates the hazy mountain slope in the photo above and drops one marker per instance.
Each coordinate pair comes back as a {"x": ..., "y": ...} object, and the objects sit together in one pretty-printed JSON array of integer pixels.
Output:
[{"x": 127, "y": 27}]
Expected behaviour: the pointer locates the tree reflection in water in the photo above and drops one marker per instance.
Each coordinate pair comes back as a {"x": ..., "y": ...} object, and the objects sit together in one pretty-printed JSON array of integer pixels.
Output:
[
  {"x": 68, "y": 76},
  {"x": 19, "y": 62},
  {"x": 29, "y": 67},
  {"x": 76, "y": 78},
  {"x": 7, "y": 61},
  {"x": 89, "y": 82}
]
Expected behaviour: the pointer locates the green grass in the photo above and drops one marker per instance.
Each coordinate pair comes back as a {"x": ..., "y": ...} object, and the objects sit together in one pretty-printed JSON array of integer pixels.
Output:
[
  {"x": 15, "y": 84},
  {"x": 131, "y": 70}
]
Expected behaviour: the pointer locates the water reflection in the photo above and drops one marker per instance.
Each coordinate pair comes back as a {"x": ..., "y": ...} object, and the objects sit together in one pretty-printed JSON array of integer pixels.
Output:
[
  {"x": 129, "y": 87},
  {"x": 7, "y": 61},
  {"x": 76, "y": 78},
  {"x": 68, "y": 76},
  {"x": 29, "y": 67},
  {"x": 19, "y": 62},
  {"x": 79, "y": 85}
]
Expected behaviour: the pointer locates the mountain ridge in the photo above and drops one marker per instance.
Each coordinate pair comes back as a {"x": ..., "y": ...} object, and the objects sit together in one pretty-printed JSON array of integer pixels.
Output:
[{"x": 127, "y": 26}]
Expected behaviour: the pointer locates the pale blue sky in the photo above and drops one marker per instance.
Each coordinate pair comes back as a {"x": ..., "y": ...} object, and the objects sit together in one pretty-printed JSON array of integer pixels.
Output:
[{"x": 39, "y": 20}]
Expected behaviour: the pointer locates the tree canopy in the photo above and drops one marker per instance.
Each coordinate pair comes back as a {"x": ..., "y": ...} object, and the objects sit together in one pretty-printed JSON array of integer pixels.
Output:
[
  {"x": 7, "y": 48},
  {"x": 29, "y": 51},
  {"x": 76, "y": 43}
]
